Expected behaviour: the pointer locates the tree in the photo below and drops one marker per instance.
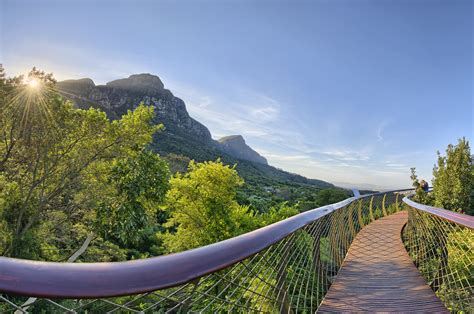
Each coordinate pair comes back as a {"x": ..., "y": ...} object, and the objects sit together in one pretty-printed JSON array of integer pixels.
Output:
[
  {"x": 141, "y": 183},
  {"x": 421, "y": 195},
  {"x": 330, "y": 196},
  {"x": 203, "y": 208},
  {"x": 277, "y": 213},
  {"x": 453, "y": 181},
  {"x": 55, "y": 161}
]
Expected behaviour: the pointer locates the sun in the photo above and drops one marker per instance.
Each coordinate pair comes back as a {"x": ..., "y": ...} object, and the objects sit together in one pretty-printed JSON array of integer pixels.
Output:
[{"x": 33, "y": 83}]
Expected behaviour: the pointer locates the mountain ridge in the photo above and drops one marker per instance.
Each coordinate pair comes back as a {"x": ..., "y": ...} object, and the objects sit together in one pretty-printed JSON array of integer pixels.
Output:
[
  {"x": 183, "y": 135},
  {"x": 236, "y": 146}
]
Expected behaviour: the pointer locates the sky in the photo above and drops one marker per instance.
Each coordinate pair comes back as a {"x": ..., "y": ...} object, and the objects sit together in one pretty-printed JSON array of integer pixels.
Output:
[{"x": 353, "y": 92}]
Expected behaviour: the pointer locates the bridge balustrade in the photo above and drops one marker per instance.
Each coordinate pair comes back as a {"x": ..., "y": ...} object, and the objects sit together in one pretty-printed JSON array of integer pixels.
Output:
[{"x": 284, "y": 267}]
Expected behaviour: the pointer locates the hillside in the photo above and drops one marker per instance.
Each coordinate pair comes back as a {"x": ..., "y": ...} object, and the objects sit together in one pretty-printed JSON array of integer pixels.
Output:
[
  {"x": 235, "y": 146},
  {"x": 184, "y": 138}
]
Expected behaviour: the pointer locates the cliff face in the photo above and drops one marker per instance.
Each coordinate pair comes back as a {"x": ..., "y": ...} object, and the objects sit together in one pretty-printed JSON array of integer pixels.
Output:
[
  {"x": 118, "y": 96},
  {"x": 235, "y": 146},
  {"x": 183, "y": 136}
]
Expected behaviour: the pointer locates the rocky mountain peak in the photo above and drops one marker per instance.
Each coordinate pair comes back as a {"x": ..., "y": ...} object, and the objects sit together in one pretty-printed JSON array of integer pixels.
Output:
[
  {"x": 84, "y": 85},
  {"x": 144, "y": 83},
  {"x": 82, "y": 81},
  {"x": 238, "y": 139},
  {"x": 235, "y": 145}
]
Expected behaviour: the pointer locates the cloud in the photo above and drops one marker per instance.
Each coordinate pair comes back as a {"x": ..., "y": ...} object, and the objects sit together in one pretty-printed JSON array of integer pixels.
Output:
[
  {"x": 380, "y": 130},
  {"x": 259, "y": 119},
  {"x": 347, "y": 155},
  {"x": 253, "y": 115},
  {"x": 395, "y": 165}
]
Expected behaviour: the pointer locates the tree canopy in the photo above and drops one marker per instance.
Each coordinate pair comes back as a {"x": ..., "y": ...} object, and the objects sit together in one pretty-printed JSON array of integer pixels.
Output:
[
  {"x": 453, "y": 180},
  {"x": 57, "y": 162},
  {"x": 203, "y": 207},
  {"x": 453, "y": 183}
]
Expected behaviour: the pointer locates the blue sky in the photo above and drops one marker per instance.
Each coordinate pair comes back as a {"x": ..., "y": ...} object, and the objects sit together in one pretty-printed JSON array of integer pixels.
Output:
[{"x": 345, "y": 91}]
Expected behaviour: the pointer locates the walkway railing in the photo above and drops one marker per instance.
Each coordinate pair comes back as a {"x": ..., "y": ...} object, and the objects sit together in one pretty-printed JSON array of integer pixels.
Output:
[
  {"x": 285, "y": 267},
  {"x": 441, "y": 244}
]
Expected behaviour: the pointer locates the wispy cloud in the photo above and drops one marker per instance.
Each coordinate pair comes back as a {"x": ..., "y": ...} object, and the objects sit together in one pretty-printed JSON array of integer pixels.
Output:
[
  {"x": 380, "y": 130},
  {"x": 259, "y": 118},
  {"x": 348, "y": 155},
  {"x": 264, "y": 121},
  {"x": 253, "y": 115}
]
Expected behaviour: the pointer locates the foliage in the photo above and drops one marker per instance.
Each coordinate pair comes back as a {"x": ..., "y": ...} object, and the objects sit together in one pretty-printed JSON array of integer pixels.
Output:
[
  {"x": 140, "y": 185},
  {"x": 421, "y": 195},
  {"x": 453, "y": 181},
  {"x": 203, "y": 208},
  {"x": 55, "y": 161},
  {"x": 265, "y": 186},
  {"x": 276, "y": 214},
  {"x": 68, "y": 175}
]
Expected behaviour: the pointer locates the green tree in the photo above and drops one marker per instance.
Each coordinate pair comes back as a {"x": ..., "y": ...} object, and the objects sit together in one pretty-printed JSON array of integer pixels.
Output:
[
  {"x": 55, "y": 161},
  {"x": 453, "y": 181},
  {"x": 421, "y": 196},
  {"x": 203, "y": 207},
  {"x": 141, "y": 183},
  {"x": 330, "y": 196},
  {"x": 277, "y": 213}
]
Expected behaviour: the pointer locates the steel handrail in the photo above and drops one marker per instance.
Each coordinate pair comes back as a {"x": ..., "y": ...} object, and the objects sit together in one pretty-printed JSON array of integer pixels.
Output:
[
  {"x": 460, "y": 219},
  {"x": 109, "y": 279}
]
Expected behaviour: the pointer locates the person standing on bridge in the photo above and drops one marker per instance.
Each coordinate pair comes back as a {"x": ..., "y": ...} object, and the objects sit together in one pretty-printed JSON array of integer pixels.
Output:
[{"x": 424, "y": 185}]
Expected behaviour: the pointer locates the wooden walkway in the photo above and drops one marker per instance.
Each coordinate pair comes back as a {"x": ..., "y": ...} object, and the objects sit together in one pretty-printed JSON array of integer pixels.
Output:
[{"x": 378, "y": 275}]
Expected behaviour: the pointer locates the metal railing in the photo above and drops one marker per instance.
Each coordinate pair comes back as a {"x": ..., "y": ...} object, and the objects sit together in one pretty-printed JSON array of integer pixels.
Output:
[
  {"x": 284, "y": 267},
  {"x": 441, "y": 244}
]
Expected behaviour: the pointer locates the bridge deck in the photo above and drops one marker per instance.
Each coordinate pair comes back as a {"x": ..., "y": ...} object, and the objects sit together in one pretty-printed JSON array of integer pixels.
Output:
[{"x": 379, "y": 276}]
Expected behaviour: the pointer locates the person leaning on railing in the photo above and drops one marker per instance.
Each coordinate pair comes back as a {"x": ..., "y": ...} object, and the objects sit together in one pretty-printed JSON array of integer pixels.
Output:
[{"x": 424, "y": 185}]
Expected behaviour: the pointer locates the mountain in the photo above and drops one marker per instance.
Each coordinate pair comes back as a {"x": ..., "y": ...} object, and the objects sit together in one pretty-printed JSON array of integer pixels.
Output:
[
  {"x": 183, "y": 138},
  {"x": 235, "y": 146},
  {"x": 118, "y": 96}
]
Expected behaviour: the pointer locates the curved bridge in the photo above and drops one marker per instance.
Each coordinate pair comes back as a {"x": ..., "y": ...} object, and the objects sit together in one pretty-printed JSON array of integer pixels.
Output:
[
  {"x": 360, "y": 254},
  {"x": 378, "y": 275}
]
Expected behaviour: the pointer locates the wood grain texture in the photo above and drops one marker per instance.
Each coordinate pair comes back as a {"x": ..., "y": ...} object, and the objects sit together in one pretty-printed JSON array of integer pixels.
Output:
[{"x": 378, "y": 275}]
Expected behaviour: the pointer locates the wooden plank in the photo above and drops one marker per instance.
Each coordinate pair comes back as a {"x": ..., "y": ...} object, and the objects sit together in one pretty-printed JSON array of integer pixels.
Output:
[{"x": 378, "y": 275}]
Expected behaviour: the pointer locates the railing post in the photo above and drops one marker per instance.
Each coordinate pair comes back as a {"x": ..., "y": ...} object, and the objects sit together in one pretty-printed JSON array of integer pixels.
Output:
[
  {"x": 397, "y": 209},
  {"x": 351, "y": 221},
  {"x": 359, "y": 215},
  {"x": 371, "y": 214},
  {"x": 384, "y": 211}
]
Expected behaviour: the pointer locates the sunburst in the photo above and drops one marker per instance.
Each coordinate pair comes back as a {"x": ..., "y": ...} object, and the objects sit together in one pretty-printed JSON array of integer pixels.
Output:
[{"x": 29, "y": 105}]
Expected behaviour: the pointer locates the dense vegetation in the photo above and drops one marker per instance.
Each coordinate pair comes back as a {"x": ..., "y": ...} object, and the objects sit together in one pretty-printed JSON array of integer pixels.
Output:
[
  {"x": 75, "y": 185},
  {"x": 441, "y": 250},
  {"x": 266, "y": 186},
  {"x": 453, "y": 180}
]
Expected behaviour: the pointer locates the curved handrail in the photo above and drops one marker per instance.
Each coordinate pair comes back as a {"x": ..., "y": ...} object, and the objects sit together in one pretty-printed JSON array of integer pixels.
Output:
[
  {"x": 460, "y": 219},
  {"x": 97, "y": 280}
]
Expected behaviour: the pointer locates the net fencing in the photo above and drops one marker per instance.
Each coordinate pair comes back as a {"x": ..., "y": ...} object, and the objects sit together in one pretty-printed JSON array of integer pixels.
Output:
[
  {"x": 293, "y": 273},
  {"x": 443, "y": 251}
]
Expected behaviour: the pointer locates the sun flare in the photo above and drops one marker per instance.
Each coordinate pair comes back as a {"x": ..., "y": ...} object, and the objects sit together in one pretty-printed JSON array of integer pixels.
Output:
[{"x": 33, "y": 83}]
